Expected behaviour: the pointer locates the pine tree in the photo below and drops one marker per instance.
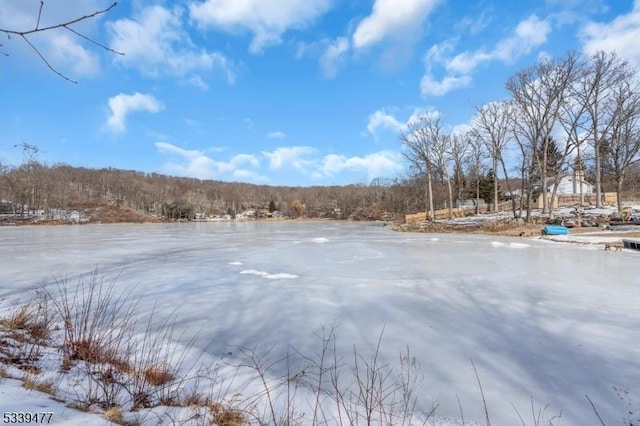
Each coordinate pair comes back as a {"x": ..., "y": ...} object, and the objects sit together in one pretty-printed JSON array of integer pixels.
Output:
[
  {"x": 486, "y": 186},
  {"x": 554, "y": 158}
]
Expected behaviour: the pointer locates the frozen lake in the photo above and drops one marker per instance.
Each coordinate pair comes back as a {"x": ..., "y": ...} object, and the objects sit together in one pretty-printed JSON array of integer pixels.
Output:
[{"x": 552, "y": 322}]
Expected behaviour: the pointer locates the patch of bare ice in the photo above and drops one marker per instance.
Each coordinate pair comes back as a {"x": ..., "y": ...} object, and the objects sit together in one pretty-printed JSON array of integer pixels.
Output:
[{"x": 267, "y": 275}]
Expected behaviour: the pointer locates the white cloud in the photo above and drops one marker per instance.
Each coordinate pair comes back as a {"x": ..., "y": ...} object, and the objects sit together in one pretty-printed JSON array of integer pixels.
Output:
[
  {"x": 276, "y": 135},
  {"x": 195, "y": 163},
  {"x": 198, "y": 165},
  {"x": 431, "y": 86},
  {"x": 620, "y": 35},
  {"x": 392, "y": 18},
  {"x": 156, "y": 43},
  {"x": 266, "y": 20},
  {"x": 375, "y": 165},
  {"x": 295, "y": 156},
  {"x": 122, "y": 104},
  {"x": 333, "y": 55},
  {"x": 528, "y": 34},
  {"x": 466, "y": 62},
  {"x": 68, "y": 53},
  {"x": 382, "y": 120},
  {"x": 236, "y": 162},
  {"x": 301, "y": 159}
]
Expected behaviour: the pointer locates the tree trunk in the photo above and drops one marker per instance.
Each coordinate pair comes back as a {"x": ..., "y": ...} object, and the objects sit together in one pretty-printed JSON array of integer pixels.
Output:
[
  {"x": 545, "y": 200},
  {"x": 432, "y": 211},
  {"x": 598, "y": 176},
  {"x": 619, "y": 180},
  {"x": 506, "y": 178},
  {"x": 529, "y": 184},
  {"x": 495, "y": 184},
  {"x": 450, "y": 198},
  {"x": 478, "y": 193},
  {"x": 523, "y": 175}
]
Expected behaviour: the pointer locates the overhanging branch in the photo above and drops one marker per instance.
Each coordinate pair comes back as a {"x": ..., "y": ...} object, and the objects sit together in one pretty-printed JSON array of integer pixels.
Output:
[{"x": 24, "y": 35}]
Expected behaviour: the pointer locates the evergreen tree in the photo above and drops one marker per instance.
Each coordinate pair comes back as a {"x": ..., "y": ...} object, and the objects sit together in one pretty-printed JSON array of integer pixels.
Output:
[
  {"x": 486, "y": 186},
  {"x": 554, "y": 161},
  {"x": 554, "y": 158}
]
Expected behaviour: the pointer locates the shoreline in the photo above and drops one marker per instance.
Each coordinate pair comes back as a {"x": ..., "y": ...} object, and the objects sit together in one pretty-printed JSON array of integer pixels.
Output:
[{"x": 578, "y": 235}]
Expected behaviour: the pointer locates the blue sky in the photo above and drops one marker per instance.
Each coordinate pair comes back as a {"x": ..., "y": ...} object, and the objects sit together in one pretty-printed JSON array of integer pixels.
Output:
[{"x": 279, "y": 92}]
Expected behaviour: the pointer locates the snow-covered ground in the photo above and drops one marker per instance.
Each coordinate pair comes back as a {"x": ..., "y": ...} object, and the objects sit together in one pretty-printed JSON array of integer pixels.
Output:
[{"x": 542, "y": 323}]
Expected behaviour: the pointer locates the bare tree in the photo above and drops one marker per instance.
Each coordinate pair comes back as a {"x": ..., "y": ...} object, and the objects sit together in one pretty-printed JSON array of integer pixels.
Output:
[
  {"x": 526, "y": 170},
  {"x": 604, "y": 72},
  {"x": 477, "y": 153},
  {"x": 574, "y": 119},
  {"x": 419, "y": 142},
  {"x": 624, "y": 134},
  {"x": 492, "y": 123},
  {"x": 539, "y": 94},
  {"x": 458, "y": 152},
  {"x": 68, "y": 25}
]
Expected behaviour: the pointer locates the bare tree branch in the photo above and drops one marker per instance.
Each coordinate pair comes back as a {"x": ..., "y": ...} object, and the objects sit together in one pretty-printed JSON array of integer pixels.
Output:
[
  {"x": 24, "y": 35},
  {"x": 44, "y": 59}
]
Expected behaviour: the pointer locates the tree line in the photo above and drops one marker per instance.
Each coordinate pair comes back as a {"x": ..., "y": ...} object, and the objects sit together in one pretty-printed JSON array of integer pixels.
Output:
[
  {"x": 572, "y": 113},
  {"x": 37, "y": 189}
]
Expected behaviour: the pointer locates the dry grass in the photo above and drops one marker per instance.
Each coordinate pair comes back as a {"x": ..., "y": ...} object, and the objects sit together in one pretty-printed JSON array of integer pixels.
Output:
[
  {"x": 27, "y": 323},
  {"x": 23, "y": 334},
  {"x": 30, "y": 383},
  {"x": 118, "y": 214},
  {"x": 222, "y": 415},
  {"x": 158, "y": 375},
  {"x": 114, "y": 415},
  {"x": 93, "y": 352}
]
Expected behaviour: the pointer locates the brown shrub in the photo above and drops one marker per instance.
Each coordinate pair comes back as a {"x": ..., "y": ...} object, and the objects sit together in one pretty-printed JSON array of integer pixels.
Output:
[
  {"x": 157, "y": 375},
  {"x": 225, "y": 416},
  {"x": 30, "y": 383},
  {"x": 26, "y": 324}
]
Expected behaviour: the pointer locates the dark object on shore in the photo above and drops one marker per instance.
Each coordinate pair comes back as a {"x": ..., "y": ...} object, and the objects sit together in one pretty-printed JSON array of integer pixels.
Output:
[
  {"x": 589, "y": 224},
  {"x": 569, "y": 223},
  {"x": 621, "y": 222},
  {"x": 631, "y": 244}
]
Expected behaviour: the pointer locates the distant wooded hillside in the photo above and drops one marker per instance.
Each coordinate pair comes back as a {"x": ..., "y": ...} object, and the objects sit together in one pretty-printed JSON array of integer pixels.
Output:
[{"x": 36, "y": 189}]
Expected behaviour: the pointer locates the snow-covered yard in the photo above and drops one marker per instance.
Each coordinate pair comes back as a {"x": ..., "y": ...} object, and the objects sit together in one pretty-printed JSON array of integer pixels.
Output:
[{"x": 543, "y": 324}]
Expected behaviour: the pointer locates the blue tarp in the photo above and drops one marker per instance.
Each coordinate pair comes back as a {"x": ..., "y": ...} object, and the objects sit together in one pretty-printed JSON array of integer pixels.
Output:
[{"x": 555, "y": 230}]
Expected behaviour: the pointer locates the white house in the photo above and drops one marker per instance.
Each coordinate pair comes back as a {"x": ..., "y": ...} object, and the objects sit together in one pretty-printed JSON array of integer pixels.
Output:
[
  {"x": 570, "y": 188},
  {"x": 573, "y": 184},
  {"x": 570, "y": 184}
]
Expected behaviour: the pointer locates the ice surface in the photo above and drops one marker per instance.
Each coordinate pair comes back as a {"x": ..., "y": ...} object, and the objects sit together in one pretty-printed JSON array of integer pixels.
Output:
[
  {"x": 268, "y": 275},
  {"x": 552, "y": 322}
]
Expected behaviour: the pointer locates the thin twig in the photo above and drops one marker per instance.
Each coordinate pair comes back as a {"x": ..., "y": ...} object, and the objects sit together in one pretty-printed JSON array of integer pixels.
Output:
[
  {"x": 519, "y": 416},
  {"x": 66, "y": 25},
  {"x": 39, "y": 13},
  {"x": 62, "y": 24},
  {"x": 460, "y": 407},
  {"x": 594, "y": 410},
  {"x": 90, "y": 40},
  {"x": 484, "y": 402},
  {"x": 55, "y": 71}
]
